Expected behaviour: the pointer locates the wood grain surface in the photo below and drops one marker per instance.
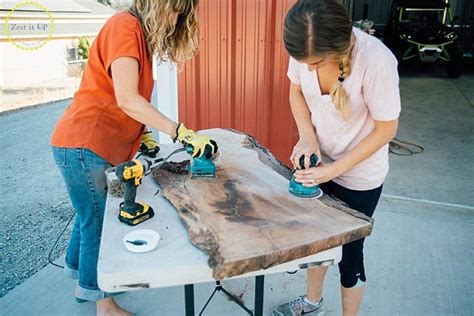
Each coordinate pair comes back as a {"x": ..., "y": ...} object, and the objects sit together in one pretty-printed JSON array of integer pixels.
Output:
[{"x": 245, "y": 219}]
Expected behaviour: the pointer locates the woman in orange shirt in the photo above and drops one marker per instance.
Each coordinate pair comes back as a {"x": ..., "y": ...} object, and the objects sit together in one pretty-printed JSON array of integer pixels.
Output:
[{"x": 105, "y": 122}]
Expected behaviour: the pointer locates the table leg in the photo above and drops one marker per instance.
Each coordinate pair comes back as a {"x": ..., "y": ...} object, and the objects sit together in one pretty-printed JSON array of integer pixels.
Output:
[
  {"x": 259, "y": 284},
  {"x": 189, "y": 299}
]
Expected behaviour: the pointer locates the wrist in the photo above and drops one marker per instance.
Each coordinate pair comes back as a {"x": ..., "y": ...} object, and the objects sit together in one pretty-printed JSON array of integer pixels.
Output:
[
  {"x": 174, "y": 131},
  {"x": 308, "y": 136}
]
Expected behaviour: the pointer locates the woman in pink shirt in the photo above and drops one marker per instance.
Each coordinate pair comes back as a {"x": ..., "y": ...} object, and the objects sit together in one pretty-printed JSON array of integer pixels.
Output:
[{"x": 345, "y": 99}]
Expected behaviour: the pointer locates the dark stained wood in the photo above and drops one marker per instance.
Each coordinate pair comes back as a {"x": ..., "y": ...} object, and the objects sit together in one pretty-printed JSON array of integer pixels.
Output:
[{"x": 245, "y": 219}]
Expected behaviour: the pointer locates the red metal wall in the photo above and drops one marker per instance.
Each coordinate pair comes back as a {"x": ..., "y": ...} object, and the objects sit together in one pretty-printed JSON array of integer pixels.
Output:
[{"x": 238, "y": 79}]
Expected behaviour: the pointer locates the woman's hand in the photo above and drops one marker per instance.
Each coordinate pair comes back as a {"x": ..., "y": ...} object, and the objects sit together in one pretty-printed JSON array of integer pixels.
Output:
[
  {"x": 306, "y": 146},
  {"x": 316, "y": 175},
  {"x": 198, "y": 142}
]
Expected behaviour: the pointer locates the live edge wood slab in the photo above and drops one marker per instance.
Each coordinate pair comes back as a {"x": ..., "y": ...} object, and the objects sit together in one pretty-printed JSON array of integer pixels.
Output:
[{"x": 245, "y": 219}]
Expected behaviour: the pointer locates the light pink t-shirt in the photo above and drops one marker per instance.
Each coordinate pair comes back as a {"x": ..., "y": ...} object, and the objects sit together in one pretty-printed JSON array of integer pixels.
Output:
[{"x": 372, "y": 88}]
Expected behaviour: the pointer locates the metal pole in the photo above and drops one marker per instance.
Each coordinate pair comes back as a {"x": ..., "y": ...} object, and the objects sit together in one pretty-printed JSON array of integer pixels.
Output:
[
  {"x": 259, "y": 286},
  {"x": 189, "y": 299}
]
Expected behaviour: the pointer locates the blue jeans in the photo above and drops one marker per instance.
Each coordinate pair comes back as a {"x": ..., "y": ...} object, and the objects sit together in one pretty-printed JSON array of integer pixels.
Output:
[{"x": 84, "y": 174}]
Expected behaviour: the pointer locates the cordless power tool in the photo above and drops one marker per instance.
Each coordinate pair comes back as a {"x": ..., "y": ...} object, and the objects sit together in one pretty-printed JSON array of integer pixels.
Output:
[
  {"x": 202, "y": 167},
  {"x": 131, "y": 174},
  {"x": 298, "y": 189}
]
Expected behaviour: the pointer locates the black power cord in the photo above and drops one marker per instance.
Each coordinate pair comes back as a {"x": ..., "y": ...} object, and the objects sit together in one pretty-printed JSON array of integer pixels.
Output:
[
  {"x": 403, "y": 148},
  {"x": 56, "y": 242}
]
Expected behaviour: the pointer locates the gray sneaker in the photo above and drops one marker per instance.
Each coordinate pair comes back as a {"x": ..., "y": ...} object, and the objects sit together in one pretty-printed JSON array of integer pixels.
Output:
[{"x": 298, "y": 306}]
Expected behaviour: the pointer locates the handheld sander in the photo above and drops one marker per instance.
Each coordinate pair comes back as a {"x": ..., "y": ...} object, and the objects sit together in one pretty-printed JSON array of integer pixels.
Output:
[
  {"x": 298, "y": 189},
  {"x": 202, "y": 167}
]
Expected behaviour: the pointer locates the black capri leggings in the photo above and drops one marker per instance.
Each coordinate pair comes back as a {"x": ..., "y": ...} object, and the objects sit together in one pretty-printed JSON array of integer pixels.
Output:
[{"x": 351, "y": 267}]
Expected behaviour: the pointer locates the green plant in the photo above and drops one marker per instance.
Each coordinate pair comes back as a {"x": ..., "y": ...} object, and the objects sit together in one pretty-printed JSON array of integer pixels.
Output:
[{"x": 83, "y": 47}]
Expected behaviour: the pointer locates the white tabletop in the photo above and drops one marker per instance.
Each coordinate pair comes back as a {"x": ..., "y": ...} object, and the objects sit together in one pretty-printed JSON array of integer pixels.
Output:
[{"x": 176, "y": 261}]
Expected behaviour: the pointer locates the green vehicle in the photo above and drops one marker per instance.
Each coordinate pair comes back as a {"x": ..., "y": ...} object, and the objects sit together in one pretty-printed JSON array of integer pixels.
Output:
[{"x": 422, "y": 31}]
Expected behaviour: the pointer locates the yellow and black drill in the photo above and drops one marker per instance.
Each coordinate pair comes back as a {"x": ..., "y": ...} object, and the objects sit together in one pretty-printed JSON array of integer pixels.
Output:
[{"x": 131, "y": 174}]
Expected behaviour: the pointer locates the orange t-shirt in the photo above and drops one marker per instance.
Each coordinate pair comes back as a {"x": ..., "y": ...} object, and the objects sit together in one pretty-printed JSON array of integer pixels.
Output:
[{"x": 94, "y": 120}]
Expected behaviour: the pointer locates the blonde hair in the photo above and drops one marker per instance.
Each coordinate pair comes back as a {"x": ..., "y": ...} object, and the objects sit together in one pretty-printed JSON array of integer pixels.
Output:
[
  {"x": 338, "y": 94},
  {"x": 322, "y": 28},
  {"x": 171, "y": 40}
]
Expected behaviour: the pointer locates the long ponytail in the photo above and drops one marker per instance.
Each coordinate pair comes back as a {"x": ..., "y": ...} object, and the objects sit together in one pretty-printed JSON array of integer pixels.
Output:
[{"x": 338, "y": 94}]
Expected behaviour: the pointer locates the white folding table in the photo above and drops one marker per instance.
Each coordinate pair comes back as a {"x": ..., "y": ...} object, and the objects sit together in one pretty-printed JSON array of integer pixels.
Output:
[{"x": 176, "y": 261}]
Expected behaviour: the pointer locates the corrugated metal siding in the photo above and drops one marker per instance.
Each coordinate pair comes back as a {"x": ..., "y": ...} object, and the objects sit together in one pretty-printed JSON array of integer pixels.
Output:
[
  {"x": 238, "y": 79},
  {"x": 460, "y": 7}
]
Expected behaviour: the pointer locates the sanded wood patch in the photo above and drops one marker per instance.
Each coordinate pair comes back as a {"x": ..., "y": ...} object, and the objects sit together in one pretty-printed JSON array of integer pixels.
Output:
[{"x": 245, "y": 219}]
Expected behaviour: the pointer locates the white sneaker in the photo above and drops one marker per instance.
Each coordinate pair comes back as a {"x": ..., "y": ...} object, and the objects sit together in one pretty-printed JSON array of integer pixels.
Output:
[{"x": 299, "y": 306}]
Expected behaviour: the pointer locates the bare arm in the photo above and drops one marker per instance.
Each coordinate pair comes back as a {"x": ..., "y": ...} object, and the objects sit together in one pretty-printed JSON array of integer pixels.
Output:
[
  {"x": 300, "y": 111},
  {"x": 125, "y": 75},
  {"x": 308, "y": 141}
]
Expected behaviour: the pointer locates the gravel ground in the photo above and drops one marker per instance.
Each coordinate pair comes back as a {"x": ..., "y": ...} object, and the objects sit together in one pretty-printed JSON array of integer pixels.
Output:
[
  {"x": 44, "y": 92},
  {"x": 35, "y": 204}
]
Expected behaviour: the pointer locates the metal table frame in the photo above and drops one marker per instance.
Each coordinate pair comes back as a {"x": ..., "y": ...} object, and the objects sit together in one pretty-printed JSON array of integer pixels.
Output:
[{"x": 258, "y": 305}]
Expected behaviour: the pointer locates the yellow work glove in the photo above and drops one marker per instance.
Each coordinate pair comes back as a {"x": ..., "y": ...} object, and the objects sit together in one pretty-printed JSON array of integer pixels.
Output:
[
  {"x": 149, "y": 146},
  {"x": 200, "y": 144}
]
